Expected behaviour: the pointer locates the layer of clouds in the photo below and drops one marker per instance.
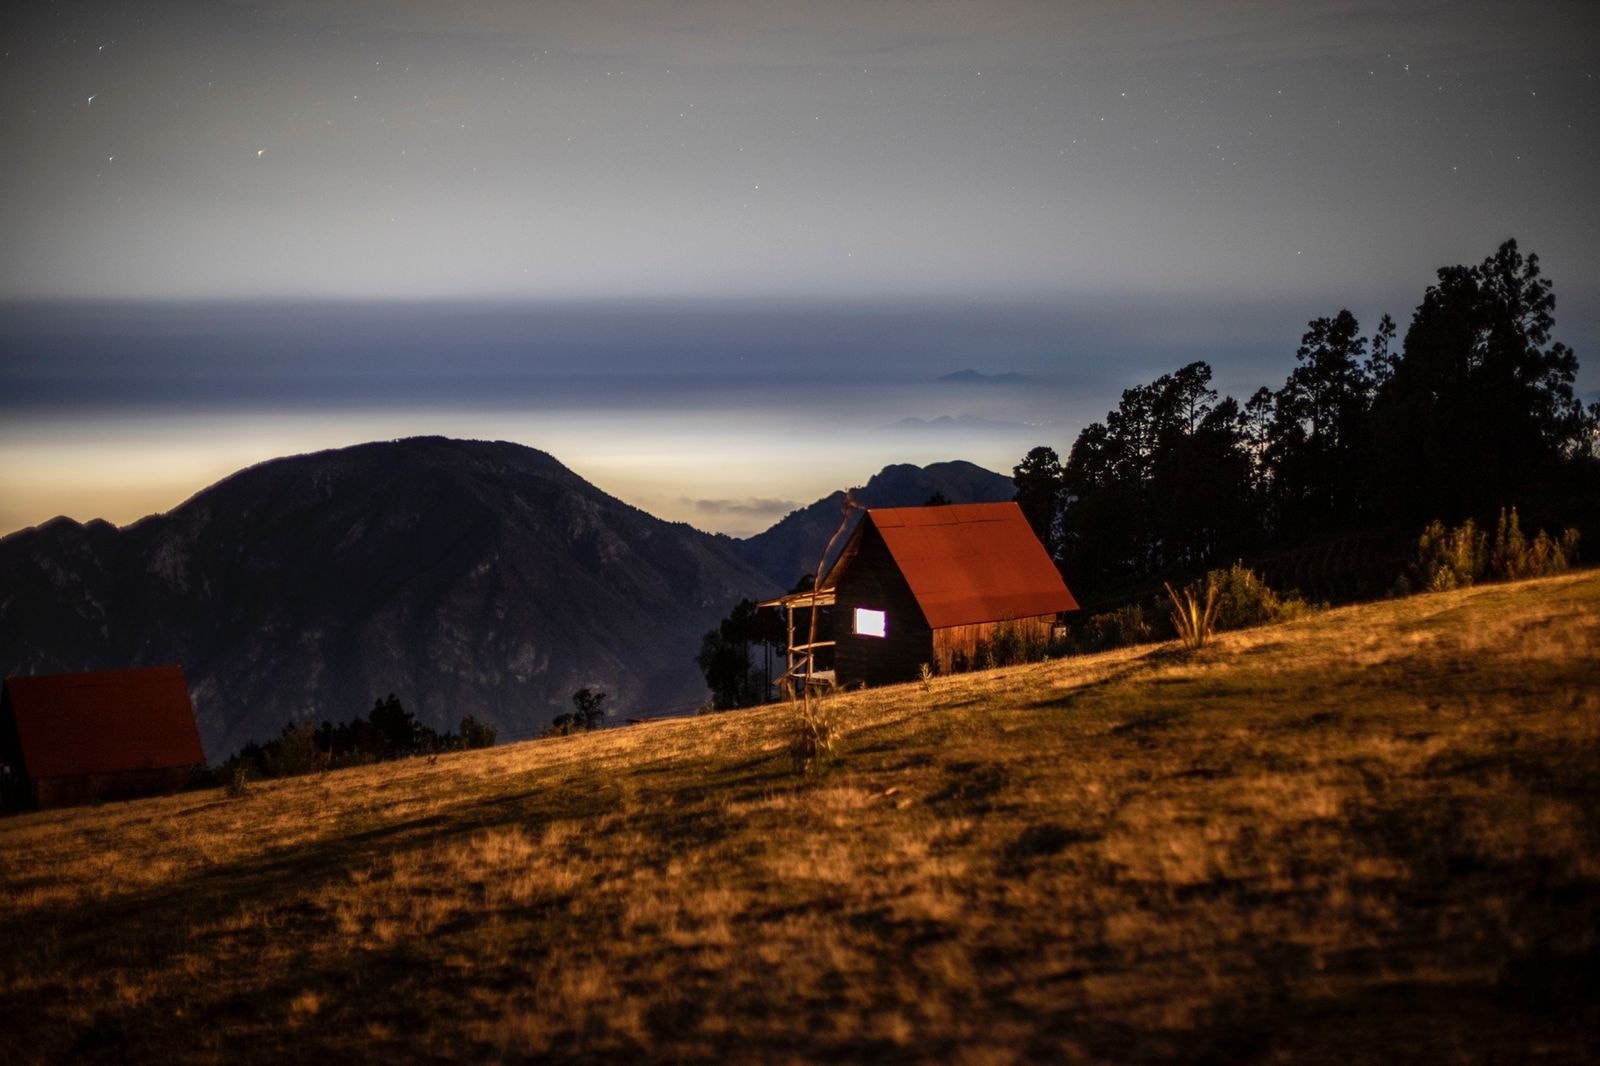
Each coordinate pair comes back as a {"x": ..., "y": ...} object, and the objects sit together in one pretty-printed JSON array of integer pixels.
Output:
[{"x": 751, "y": 507}]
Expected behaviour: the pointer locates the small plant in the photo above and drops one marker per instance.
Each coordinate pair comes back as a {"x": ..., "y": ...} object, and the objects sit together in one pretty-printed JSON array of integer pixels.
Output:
[
  {"x": 1194, "y": 620},
  {"x": 817, "y": 732},
  {"x": 1008, "y": 646},
  {"x": 239, "y": 781},
  {"x": 926, "y": 672}
]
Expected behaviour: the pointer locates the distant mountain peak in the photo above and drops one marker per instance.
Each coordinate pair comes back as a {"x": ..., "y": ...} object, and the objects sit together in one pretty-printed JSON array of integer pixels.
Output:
[
  {"x": 977, "y": 377},
  {"x": 790, "y": 548},
  {"x": 467, "y": 577},
  {"x": 953, "y": 422}
]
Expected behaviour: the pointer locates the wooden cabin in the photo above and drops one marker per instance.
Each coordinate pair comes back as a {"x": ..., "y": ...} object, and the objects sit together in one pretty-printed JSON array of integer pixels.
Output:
[
  {"x": 932, "y": 585},
  {"x": 78, "y": 738}
]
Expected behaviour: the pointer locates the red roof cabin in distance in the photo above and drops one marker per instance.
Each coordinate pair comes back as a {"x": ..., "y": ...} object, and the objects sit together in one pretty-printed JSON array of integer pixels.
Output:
[
  {"x": 67, "y": 739},
  {"x": 918, "y": 585}
]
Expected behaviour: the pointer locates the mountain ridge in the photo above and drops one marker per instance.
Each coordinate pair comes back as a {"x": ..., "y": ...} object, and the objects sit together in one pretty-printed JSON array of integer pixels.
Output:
[
  {"x": 468, "y": 577},
  {"x": 475, "y": 578}
]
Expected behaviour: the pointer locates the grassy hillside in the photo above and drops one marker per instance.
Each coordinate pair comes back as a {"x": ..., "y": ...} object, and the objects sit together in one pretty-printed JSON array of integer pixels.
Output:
[{"x": 1370, "y": 834}]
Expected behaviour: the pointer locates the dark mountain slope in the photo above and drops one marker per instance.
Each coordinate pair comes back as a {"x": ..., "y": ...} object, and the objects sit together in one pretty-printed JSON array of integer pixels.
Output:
[
  {"x": 466, "y": 577},
  {"x": 790, "y": 548}
]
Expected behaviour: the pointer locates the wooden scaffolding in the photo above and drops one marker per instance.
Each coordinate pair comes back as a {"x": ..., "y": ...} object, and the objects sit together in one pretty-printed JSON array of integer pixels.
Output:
[{"x": 802, "y": 672}]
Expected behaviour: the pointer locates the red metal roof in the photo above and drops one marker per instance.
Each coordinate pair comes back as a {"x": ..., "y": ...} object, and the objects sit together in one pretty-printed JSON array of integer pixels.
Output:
[
  {"x": 970, "y": 563},
  {"x": 106, "y": 722}
]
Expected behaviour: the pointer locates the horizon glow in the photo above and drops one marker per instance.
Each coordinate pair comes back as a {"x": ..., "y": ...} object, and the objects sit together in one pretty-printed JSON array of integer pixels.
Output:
[{"x": 284, "y": 226}]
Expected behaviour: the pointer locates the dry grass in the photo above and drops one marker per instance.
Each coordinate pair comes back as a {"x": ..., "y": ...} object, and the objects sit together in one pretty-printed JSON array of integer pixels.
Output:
[{"x": 1368, "y": 834}]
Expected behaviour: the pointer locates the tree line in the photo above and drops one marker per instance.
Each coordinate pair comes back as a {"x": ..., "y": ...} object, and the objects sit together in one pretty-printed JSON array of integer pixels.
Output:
[
  {"x": 1474, "y": 411},
  {"x": 1374, "y": 442},
  {"x": 388, "y": 732}
]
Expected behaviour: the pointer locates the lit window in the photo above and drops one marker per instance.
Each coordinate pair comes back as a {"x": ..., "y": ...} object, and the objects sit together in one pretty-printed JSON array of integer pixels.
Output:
[{"x": 870, "y": 623}]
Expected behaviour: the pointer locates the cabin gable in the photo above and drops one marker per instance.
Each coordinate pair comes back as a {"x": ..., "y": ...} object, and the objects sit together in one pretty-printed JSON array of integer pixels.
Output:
[
  {"x": 868, "y": 580},
  {"x": 78, "y": 738}
]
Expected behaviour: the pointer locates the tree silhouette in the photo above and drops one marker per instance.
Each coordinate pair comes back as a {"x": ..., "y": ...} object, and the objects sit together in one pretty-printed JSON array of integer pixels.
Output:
[
  {"x": 588, "y": 714},
  {"x": 1481, "y": 402},
  {"x": 476, "y": 734},
  {"x": 1038, "y": 482},
  {"x": 1320, "y": 440},
  {"x": 1476, "y": 412},
  {"x": 725, "y": 655},
  {"x": 395, "y": 729},
  {"x": 1164, "y": 481}
]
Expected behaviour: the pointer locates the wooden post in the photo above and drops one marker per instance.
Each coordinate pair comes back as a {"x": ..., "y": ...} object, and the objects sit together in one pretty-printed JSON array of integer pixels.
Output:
[{"x": 850, "y": 504}]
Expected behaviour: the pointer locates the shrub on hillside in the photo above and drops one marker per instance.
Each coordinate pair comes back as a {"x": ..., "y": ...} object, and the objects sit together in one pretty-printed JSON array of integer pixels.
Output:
[
  {"x": 476, "y": 734},
  {"x": 1244, "y": 600},
  {"x": 1446, "y": 558},
  {"x": 1513, "y": 556},
  {"x": 588, "y": 714},
  {"x": 1240, "y": 599},
  {"x": 1458, "y": 557},
  {"x": 1129, "y": 624},
  {"x": 817, "y": 732},
  {"x": 1010, "y": 646},
  {"x": 389, "y": 732},
  {"x": 294, "y": 753}
]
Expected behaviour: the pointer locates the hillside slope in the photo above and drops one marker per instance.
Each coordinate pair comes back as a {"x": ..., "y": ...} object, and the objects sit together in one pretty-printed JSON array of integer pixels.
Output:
[
  {"x": 1367, "y": 834},
  {"x": 469, "y": 577}
]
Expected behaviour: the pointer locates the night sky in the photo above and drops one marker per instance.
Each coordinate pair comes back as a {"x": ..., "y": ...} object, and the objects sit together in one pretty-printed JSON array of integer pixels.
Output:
[{"x": 716, "y": 256}]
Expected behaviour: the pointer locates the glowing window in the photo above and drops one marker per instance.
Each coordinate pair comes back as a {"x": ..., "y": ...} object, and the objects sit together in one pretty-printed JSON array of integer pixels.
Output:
[{"x": 870, "y": 623}]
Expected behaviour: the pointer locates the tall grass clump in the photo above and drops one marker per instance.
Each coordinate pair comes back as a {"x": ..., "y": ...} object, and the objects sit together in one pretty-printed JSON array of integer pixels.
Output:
[{"x": 1194, "y": 618}]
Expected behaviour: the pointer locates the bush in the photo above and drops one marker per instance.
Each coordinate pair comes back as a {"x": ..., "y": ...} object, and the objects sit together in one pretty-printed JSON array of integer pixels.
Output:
[
  {"x": 389, "y": 732},
  {"x": 1010, "y": 645},
  {"x": 1456, "y": 558},
  {"x": 295, "y": 752},
  {"x": 1514, "y": 556},
  {"x": 1448, "y": 558},
  {"x": 1244, "y": 600},
  {"x": 476, "y": 734},
  {"x": 1125, "y": 625},
  {"x": 1007, "y": 647}
]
